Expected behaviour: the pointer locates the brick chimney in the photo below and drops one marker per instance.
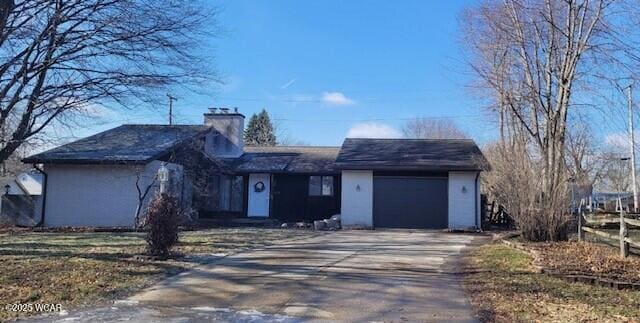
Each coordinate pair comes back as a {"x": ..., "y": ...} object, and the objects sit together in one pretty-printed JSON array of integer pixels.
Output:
[{"x": 228, "y": 138}]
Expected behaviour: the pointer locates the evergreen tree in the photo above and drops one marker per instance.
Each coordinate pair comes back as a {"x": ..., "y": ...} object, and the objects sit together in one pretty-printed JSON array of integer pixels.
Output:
[{"x": 259, "y": 131}]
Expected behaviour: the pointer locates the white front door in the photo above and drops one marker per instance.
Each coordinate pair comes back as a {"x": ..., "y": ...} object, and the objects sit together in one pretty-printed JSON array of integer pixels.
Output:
[{"x": 259, "y": 192}]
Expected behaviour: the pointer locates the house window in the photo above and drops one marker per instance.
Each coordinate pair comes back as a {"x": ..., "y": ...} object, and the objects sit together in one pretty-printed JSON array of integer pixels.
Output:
[
  {"x": 229, "y": 194},
  {"x": 237, "y": 196},
  {"x": 327, "y": 185},
  {"x": 320, "y": 185},
  {"x": 315, "y": 185}
]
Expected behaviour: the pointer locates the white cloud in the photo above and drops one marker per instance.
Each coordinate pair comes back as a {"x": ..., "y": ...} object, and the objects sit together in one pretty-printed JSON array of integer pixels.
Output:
[
  {"x": 94, "y": 110},
  {"x": 288, "y": 84},
  {"x": 336, "y": 98},
  {"x": 88, "y": 109},
  {"x": 618, "y": 140},
  {"x": 373, "y": 130}
]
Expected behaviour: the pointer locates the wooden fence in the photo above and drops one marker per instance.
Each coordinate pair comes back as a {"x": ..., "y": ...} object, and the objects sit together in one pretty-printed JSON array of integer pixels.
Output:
[
  {"x": 494, "y": 215},
  {"x": 623, "y": 237}
]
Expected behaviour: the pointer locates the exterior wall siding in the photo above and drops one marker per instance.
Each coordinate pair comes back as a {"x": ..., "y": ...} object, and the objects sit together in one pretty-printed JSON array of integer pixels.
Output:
[
  {"x": 463, "y": 196},
  {"x": 96, "y": 195},
  {"x": 357, "y": 205}
]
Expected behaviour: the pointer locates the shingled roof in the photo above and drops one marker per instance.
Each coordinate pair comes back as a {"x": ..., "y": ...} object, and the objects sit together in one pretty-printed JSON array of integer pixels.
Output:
[
  {"x": 124, "y": 144},
  {"x": 411, "y": 154},
  {"x": 287, "y": 159}
]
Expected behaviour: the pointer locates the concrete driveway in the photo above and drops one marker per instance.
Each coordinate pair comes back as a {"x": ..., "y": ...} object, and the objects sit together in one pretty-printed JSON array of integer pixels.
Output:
[{"x": 388, "y": 275}]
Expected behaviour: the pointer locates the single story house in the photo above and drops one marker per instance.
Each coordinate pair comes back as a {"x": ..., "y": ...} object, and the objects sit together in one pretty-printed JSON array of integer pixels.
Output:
[
  {"x": 373, "y": 183},
  {"x": 609, "y": 201}
]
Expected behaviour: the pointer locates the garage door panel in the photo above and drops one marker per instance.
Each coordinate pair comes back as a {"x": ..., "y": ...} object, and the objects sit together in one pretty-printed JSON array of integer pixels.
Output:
[{"x": 410, "y": 202}]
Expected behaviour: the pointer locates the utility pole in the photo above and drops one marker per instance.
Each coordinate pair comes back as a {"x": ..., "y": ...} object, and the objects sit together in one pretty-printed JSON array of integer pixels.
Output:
[
  {"x": 633, "y": 150},
  {"x": 171, "y": 99}
]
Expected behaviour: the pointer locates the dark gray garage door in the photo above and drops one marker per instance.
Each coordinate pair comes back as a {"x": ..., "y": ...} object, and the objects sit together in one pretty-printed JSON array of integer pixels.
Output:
[{"x": 410, "y": 202}]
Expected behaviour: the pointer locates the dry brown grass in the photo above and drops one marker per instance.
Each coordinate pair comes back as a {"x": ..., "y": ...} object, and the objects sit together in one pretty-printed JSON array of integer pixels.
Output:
[
  {"x": 81, "y": 268},
  {"x": 583, "y": 258},
  {"x": 505, "y": 288}
]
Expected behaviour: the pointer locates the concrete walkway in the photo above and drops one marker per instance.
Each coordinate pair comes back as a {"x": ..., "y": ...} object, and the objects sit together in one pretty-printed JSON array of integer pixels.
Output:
[{"x": 384, "y": 275}]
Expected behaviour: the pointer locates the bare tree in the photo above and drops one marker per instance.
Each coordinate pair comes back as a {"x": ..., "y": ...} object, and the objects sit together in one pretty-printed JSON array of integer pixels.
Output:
[
  {"x": 13, "y": 165},
  {"x": 283, "y": 135},
  {"x": 143, "y": 189},
  {"x": 616, "y": 174},
  {"x": 425, "y": 128},
  {"x": 60, "y": 57},
  {"x": 532, "y": 57},
  {"x": 586, "y": 162},
  {"x": 287, "y": 140}
]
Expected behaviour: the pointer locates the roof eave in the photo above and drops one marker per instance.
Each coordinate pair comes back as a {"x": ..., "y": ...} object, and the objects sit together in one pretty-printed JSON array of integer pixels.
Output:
[
  {"x": 85, "y": 161},
  {"x": 267, "y": 171},
  {"x": 410, "y": 168}
]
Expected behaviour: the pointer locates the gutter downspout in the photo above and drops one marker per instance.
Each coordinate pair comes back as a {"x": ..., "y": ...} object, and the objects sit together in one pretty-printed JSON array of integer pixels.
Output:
[
  {"x": 475, "y": 198},
  {"x": 44, "y": 194}
]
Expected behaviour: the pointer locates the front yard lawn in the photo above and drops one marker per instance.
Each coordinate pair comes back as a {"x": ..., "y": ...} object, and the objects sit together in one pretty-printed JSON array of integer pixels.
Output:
[
  {"x": 78, "y": 269},
  {"x": 504, "y": 287}
]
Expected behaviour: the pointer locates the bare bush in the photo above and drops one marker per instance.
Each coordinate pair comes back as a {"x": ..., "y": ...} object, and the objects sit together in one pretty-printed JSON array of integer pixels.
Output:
[
  {"x": 424, "y": 128},
  {"x": 161, "y": 224},
  {"x": 515, "y": 182}
]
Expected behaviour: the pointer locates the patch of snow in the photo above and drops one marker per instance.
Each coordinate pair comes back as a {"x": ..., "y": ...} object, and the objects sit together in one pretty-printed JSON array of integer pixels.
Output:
[
  {"x": 211, "y": 309},
  {"x": 125, "y": 302},
  {"x": 69, "y": 319},
  {"x": 251, "y": 313}
]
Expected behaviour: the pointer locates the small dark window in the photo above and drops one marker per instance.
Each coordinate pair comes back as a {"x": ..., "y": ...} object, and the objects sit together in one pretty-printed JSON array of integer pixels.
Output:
[
  {"x": 327, "y": 185},
  {"x": 315, "y": 185},
  {"x": 320, "y": 185}
]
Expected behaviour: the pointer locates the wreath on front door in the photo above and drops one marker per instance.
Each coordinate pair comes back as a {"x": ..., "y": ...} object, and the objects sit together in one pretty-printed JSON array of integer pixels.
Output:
[{"x": 258, "y": 187}]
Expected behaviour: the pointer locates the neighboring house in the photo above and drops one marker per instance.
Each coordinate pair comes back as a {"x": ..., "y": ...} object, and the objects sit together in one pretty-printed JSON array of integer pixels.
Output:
[
  {"x": 372, "y": 183},
  {"x": 21, "y": 197},
  {"x": 25, "y": 183},
  {"x": 580, "y": 194},
  {"x": 608, "y": 201}
]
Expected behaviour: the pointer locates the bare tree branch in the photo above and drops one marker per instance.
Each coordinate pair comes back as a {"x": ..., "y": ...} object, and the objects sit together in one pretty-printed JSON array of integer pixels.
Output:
[
  {"x": 532, "y": 57},
  {"x": 421, "y": 128},
  {"x": 57, "y": 57}
]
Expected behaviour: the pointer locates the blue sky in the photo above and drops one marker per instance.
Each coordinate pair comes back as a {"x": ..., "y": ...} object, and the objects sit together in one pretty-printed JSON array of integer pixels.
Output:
[{"x": 324, "y": 68}]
